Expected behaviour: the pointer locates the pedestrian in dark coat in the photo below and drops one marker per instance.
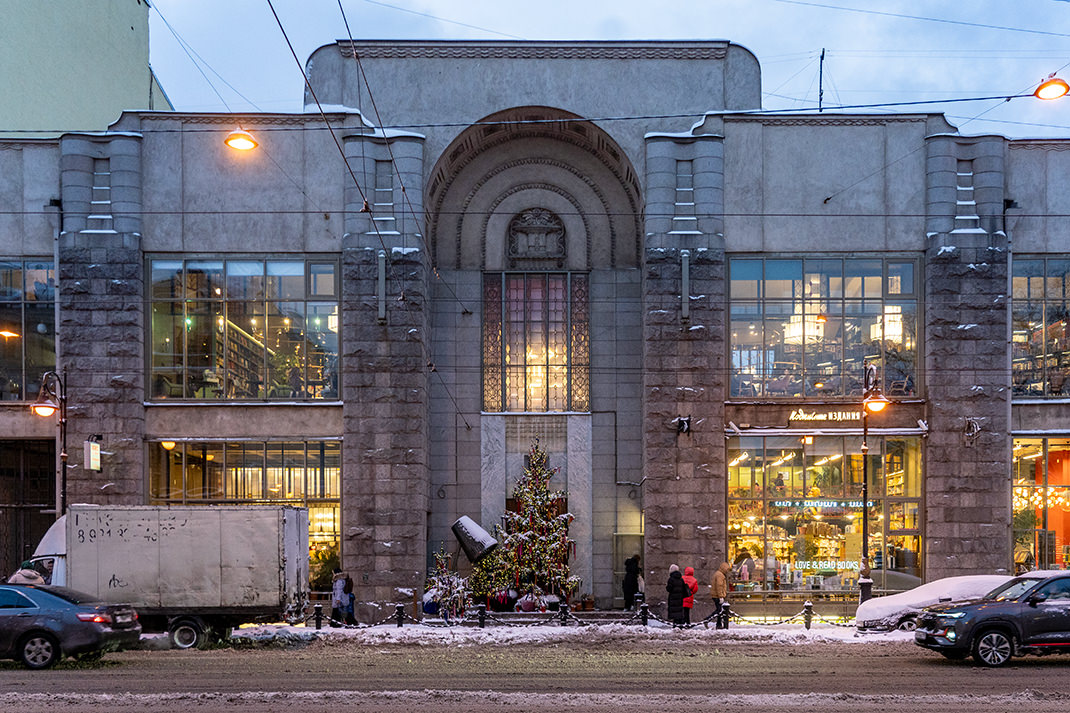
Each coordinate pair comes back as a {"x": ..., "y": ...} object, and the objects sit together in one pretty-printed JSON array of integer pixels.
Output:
[
  {"x": 631, "y": 580},
  {"x": 689, "y": 598},
  {"x": 677, "y": 589}
]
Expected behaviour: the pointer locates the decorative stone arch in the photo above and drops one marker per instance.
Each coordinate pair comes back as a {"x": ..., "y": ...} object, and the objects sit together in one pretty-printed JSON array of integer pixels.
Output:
[{"x": 529, "y": 159}]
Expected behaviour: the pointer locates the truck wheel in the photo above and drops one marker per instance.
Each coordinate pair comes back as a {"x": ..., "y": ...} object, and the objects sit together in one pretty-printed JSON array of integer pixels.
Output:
[
  {"x": 38, "y": 650},
  {"x": 187, "y": 634}
]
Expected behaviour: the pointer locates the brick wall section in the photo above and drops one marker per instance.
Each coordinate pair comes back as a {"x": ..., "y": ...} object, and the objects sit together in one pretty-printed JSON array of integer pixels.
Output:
[
  {"x": 966, "y": 331},
  {"x": 385, "y": 389},
  {"x": 101, "y": 295}
]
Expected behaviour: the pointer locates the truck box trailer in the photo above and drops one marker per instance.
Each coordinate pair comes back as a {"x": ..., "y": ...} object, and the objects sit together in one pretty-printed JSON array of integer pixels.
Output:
[{"x": 193, "y": 571}]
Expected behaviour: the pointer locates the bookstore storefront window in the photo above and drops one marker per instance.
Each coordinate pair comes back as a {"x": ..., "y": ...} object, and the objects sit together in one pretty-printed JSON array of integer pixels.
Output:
[
  {"x": 1041, "y": 503},
  {"x": 240, "y": 329},
  {"x": 794, "y": 512},
  {"x": 302, "y": 473}
]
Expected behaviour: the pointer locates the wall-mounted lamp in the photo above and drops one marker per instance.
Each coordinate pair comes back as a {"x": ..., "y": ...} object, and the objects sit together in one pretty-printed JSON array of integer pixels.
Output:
[
  {"x": 1052, "y": 88},
  {"x": 240, "y": 140},
  {"x": 683, "y": 424}
]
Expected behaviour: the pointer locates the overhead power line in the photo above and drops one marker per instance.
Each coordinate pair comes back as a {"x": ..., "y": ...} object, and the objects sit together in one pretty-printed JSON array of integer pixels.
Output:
[{"x": 964, "y": 23}]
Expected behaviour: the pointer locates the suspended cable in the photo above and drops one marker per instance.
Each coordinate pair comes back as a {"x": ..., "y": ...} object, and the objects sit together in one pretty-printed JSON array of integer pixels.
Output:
[
  {"x": 393, "y": 163},
  {"x": 334, "y": 136},
  {"x": 415, "y": 220},
  {"x": 442, "y": 19},
  {"x": 926, "y": 19},
  {"x": 191, "y": 53}
]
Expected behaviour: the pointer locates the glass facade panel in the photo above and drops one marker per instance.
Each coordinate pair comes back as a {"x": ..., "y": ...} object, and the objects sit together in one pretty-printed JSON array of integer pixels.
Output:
[
  {"x": 816, "y": 323},
  {"x": 302, "y": 473},
  {"x": 27, "y": 327},
  {"x": 536, "y": 342},
  {"x": 1040, "y": 496},
  {"x": 803, "y": 529},
  {"x": 243, "y": 329},
  {"x": 1040, "y": 315}
]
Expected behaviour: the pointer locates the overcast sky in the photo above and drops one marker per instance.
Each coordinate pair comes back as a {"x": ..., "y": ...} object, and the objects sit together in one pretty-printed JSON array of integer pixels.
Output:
[{"x": 893, "y": 51}]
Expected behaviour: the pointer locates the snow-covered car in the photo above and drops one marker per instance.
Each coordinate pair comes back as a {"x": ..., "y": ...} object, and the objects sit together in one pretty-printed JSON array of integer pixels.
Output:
[{"x": 900, "y": 611}]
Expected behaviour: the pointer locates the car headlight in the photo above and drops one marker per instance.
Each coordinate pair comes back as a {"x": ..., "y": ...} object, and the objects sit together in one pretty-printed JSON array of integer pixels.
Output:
[{"x": 952, "y": 614}]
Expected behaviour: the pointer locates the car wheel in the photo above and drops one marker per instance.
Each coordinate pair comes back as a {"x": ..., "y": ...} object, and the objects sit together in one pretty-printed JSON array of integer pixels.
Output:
[
  {"x": 38, "y": 650},
  {"x": 955, "y": 655},
  {"x": 187, "y": 634},
  {"x": 908, "y": 623},
  {"x": 993, "y": 648}
]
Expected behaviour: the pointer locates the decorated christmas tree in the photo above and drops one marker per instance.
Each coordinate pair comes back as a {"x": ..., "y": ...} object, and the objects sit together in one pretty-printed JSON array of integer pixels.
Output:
[
  {"x": 495, "y": 574},
  {"x": 536, "y": 533},
  {"x": 445, "y": 589}
]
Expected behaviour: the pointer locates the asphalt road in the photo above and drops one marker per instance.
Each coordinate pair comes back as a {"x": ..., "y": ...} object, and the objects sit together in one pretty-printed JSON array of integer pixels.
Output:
[{"x": 634, "y": 675}]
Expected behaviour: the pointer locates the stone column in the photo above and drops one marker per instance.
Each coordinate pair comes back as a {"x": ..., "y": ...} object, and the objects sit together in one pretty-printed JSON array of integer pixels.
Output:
[
  {"x": 967, "y": 470},
  {"x": 385, "y": 382},
  {"x": 683, "y": 361},
  {"x": 101, "y": 307}
]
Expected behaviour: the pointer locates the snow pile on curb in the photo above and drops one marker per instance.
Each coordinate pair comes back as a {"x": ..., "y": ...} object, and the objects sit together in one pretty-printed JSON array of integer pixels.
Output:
[{"x": 413, "y": 634}]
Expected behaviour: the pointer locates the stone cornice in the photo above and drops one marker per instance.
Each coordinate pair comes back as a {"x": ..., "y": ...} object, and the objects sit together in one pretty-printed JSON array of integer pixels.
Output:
[
  {"x": 824, "y": 120},
  {"x": 535, "y": 50},
  {"x": 1041, "y": 145}
]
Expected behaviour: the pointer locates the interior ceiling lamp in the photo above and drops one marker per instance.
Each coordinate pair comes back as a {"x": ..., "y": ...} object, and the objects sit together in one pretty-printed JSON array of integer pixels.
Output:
[
  {"x": 241, "y": 140},
  {"x": 7, "y": 333},
  {"x": 167, "y": 445},
  {"x": 1052, "y": 88}
]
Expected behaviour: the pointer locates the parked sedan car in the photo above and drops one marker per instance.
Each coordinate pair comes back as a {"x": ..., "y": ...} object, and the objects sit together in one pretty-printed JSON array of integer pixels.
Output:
[
  {"x": 900, "y": 611},
  {"x": 1028, "y": 615},
  {"x": 40, "y": 624}
]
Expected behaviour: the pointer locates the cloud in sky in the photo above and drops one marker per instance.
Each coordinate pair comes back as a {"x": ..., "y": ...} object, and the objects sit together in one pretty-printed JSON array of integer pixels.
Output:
[{"x": 899, "y": 51}]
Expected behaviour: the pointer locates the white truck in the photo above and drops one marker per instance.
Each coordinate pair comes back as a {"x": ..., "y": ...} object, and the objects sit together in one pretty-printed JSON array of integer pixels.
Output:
[{"x": 193, "y": 571}]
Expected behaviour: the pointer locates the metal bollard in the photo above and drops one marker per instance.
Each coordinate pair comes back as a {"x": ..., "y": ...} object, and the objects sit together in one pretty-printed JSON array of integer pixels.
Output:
[
  {"x": 482, "y": 608},
  {"x": 399, "y": 614},
  {"x": 317, "y": 612},
  {"x": 808, "y": 613},
  {"x": 726, "y": 614},
  {"x": 644, "y": 613}
]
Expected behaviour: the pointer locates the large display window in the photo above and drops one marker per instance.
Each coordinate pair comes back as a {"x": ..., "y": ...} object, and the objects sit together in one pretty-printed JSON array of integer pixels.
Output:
[
  {"x": 303, "y": 473},
  {"x": 807, "y": 326},
  {"x": 795, "y": 509},
  {"x": 1041, "y": 503}
]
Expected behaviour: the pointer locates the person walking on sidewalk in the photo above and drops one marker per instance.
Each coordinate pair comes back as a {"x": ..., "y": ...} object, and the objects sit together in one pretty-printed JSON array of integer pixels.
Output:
[
  {"x": 689, "y": 597},
  {"x": 677, "y": 589},
  {"x": 719, "y": 592},
  {"x": 631, "y": 580}
]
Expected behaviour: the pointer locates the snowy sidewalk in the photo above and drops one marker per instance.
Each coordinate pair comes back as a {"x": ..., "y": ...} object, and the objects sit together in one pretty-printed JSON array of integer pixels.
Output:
[{"x": 784, "y": 634}]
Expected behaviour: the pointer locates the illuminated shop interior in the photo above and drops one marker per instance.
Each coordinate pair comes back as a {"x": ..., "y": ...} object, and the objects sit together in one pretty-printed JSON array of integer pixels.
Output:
[
  {"x": 794, "y": 512},
  {"x": 301, "y": 473},
  {"x": 1041, "y": 503}
]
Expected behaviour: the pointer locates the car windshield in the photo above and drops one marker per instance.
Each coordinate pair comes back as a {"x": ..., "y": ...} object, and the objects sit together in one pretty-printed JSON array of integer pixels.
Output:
[{"x": 1012, "y": 589}]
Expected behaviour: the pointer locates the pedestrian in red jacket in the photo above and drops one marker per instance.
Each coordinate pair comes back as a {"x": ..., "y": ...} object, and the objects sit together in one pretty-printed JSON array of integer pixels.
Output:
[{"x": 689, "y": 598}]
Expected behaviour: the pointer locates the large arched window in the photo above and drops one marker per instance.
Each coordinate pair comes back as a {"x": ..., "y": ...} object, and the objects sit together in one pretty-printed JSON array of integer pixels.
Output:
[{"x": 536, "y": 343}]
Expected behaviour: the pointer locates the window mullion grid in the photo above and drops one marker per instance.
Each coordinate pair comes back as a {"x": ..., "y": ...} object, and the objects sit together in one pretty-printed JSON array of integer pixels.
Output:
[{"x": 568, "y": 341}]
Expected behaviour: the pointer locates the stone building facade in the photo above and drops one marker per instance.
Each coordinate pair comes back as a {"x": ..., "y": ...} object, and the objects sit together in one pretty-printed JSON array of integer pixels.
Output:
[{"x": 601, "y": 245}]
